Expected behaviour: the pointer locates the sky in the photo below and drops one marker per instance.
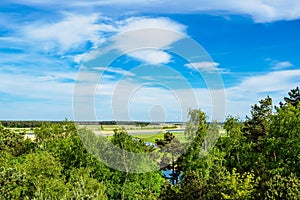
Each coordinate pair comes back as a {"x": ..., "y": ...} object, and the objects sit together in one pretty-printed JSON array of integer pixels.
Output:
[{"x": 145, "y": 60}]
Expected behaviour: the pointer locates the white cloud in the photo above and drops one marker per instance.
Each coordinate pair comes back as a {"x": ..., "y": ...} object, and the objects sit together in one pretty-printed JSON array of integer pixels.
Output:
[
  {"x": 258, "y": 10},
  {"x": 138, "y": 98},
  {"x": 207, "y": 66},
  {"x": 133, "y": 36},
  {"x": 253, "y": 88},
  {"x": 114, "y": 70},
  {"x": 126, "y": 100},
  {"x": 203, "y": 65},
  {"x": 135, "y": 23},
  {"x": 146, "y": 38},
  {"x": 80, "y": 57},
  {"x": 282, "y": 65},
  {"x": 47, "y": 86},
  {"x": 272, "y": 81},
  {"x": 151, "y": 56},
  {"x": 71, "y": 32},
  {"x": 138, "y": 33}
]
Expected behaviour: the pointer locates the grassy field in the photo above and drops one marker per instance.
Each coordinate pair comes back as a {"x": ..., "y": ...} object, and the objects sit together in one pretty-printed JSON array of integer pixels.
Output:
[
  {"x": 148, "y": 134},
  {"x": 153, "y": 137}
]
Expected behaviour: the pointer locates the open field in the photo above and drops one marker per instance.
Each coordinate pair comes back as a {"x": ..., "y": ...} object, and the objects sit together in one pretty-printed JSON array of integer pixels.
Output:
[
  {"x": 148, "y": 134},
  {"x": 153, "y": 137}
]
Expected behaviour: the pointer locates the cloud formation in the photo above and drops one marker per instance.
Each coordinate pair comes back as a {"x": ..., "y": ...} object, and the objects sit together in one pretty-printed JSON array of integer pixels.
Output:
[
  {"x": 47, "y": 79},
  {"x": 74, "y": 32},
  {"x": 282, "y": 65},
  {"x": 260, "y": 11},
  {"x": 210, "y": 67}
]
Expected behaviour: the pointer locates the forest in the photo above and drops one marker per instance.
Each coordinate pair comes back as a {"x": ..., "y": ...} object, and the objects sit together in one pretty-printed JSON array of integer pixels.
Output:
[{"x": 255, "y": 158}]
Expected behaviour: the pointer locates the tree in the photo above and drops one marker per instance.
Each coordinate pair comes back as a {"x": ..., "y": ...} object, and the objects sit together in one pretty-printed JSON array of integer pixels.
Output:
[
  {"x": 234, "y": 144},
  {"x": 293, "y": 98},
  {"x": 141, "y": 124},
  {"x": 197, "y": 163},
  {"x": 171, "y": 149},
  {"x": 256, "y": 128},
  {"x": 238, "y": 186},
  {"x": 212, "y": 136},
  {"x": 131, "y": 154},
  {"x": 282, "y": 187},
  {"x": 283, "y": 142},
  {"x": 83, "y": 186},
  {"x": 32, "y": 176},
  {"x": 14, "y": 142}
]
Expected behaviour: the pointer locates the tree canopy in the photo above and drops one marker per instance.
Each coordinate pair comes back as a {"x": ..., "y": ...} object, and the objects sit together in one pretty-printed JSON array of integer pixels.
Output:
[{"x": 258, "y": 158}]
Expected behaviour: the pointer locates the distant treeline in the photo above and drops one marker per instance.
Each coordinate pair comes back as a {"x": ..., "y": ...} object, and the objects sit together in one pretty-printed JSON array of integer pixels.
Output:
[
  {"x": 22, "y": 124},
  {"x": 35, "y": 123}
]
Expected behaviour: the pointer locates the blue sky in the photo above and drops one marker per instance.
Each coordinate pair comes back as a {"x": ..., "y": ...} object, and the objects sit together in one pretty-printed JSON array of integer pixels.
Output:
[{"x": 145, "y": 60}]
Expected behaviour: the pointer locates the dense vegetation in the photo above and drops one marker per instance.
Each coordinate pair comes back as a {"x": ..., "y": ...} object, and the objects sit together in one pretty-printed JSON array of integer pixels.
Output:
[
  {"x": 33, "y": 124},
  {"x": 256, "y": 159}
]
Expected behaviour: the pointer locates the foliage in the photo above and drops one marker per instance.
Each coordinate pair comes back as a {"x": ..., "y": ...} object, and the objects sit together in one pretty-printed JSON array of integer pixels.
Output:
[
  {"x": 83, "y": 186},
  {"x": 256, "y": 128},
  {"x": 13, "y": 142},
  {"x": 238, "y": 186},
  {"x": 283, "y": 143},
  {"x": 234, "y": 144},
  {"x": 282, "y": 187},
  {"x": 21, "y": 124},
  {"x": 255, "y": 159},
  {"x": 171, "y": 150},
  {"x": 292, "y": 99},
  {"x": 142, "y": 124}
]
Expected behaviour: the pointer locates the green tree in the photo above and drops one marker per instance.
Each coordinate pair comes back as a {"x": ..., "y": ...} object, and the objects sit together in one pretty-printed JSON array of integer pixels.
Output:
[
  {"x": 14, "y": 142},
  {"x": 197, "y": 162},
  {"x": 171, "y": 159},
  {"x": 34, "y": 175},
  {"x": 83, "y": 186},
  {"x": 282, "y": 187},
  {"x": 256, "y": 128},
  {"x": 195, "y": 132},
  {"x": 238, "y": 186},
  {"x": 293, "y": 98},
  {"x": 283, "y": 142},
  {"x": 130, "y": 185},
  {"x": 234, "y": 144}
]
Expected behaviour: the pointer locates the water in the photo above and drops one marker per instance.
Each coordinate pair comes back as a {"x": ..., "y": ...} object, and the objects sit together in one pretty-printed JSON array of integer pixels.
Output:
[
  {"x": 176, "y": 131},
  {"x": 168, "y": 173}
]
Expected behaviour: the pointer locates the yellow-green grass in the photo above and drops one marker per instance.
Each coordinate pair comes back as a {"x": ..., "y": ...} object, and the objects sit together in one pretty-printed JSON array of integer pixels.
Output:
[
  {"x": 151, "y": 137},
  {"x": 128, "y": 127}
]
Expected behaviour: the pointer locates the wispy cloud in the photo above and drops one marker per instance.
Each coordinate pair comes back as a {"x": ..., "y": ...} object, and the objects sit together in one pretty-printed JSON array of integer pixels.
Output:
[
  {"x": 71, "y": 32},
  {"x": 146, "y": 39},
  {"x": 151, "y": 56},
  {"x": 282, "y": 65},
  {"x": 74, "y": 33},
  {"x": 114, "y": 70},
  {"x": 253, "y": 88},
  {"x": 272, "y": 81},
  {"x": 260, "y": 10},
  {"x": 210, "y": 67},
  {"x": 38, "y": 55}
]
